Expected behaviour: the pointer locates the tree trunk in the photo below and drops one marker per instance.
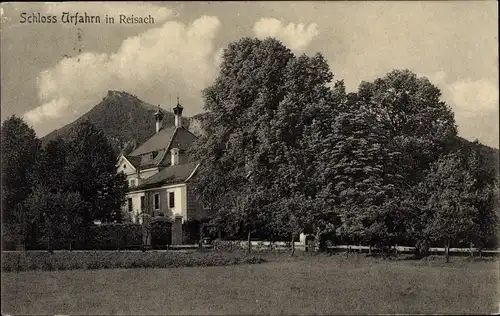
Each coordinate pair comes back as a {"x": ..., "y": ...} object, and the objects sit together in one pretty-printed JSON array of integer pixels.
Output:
[
  {"x": 447, "y": 251},
  {"x": 480, "y": 252},
  {"x": 292, "y": 253},
  {"x": 201, "y": 237},
  {"x": 317, "y": 240},
  {"x": 396, "y": 250},
  {"x": 249, "y": 242},
  {"x": 20, "y": 244},
  {"x": 369, "y": 249},
  {"x": 49, "y": 246},
  {"x": 471, "y": 251}
]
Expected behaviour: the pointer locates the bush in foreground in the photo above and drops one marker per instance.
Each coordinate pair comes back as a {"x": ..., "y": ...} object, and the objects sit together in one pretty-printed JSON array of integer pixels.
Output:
[{"x": 23, "y": 261}]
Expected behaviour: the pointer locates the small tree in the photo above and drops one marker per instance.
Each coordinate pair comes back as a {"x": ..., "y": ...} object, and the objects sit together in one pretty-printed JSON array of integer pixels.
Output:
[
  {"x": 415, "y": 216},
  {"x": 54, "y": 215},
  {"x": 486, "y": 198},
  {"x": 451, "y": 201},
  {"x": 486, "y": 222}
]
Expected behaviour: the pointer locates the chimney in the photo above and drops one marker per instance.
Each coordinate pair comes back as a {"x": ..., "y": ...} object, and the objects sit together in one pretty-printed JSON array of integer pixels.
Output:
[
  {"x": 158, "y": 117},
  {"x": 178, "y": 114},
  {"x": 174, "y": 153}
]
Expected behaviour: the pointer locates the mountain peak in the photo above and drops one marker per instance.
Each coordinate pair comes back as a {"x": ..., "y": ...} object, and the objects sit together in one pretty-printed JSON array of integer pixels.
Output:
[
  {"x": 119, "y": 94},
  {"x": 123, "y": 117},
  {"x": 115, "y": 94},
  {"x": 123, "y": 98}
]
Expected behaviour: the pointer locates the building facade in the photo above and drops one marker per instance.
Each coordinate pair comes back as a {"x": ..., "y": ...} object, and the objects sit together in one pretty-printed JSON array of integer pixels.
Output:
[{"x": 159, "y": 174}]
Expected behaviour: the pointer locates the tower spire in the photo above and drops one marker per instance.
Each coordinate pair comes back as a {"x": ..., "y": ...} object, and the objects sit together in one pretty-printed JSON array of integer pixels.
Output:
[
  {"x": 178, "y": 114},
  {"x": 158, "y": 118}
]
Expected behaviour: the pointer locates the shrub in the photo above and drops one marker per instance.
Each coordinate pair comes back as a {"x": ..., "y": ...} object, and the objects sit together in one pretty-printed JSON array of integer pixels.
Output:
[
  {"x": 226, "y": 245},
  {"x": 116, "y": 236}
]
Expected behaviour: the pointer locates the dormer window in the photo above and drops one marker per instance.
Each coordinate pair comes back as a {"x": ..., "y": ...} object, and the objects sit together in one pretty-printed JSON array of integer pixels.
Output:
[
  {"x": 175, "y": 156},
  {"x": 152, "y": 155}
]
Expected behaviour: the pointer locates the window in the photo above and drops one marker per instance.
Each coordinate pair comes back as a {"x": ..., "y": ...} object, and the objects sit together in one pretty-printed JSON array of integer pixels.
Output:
[
  {"x": 129, "y": 204},
  {"x": 132, "y": 183},
  {"x": 157, "y": 201},
  {"x": 153, "y": 155},
  {"x": 171, "y": 200},
  {"x": 124, "y": 166},
  {"x": 143, "y": 202},
  {"x": 174, "y": 156}
]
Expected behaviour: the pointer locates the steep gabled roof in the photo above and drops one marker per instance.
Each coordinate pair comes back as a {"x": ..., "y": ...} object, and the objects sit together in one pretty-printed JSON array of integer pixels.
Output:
[
  {"x": 158, "y": 141},
  {"x": 165, "y": 139},
  {"x": 182, "y": 139},
  {"x": 170, "y": 175}
]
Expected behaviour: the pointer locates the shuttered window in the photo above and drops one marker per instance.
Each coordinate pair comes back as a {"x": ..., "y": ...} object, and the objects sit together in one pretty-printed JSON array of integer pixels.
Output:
[
  {"x": 143, "y": 203},
  {"x": 171, "y": 200},
  {"x": 129, "y": 204},
  {"x": 157, "y": 201}
]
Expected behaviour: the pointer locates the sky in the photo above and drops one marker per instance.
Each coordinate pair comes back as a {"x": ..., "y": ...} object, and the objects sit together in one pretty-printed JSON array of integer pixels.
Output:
[{"x": 52, "y": 73}]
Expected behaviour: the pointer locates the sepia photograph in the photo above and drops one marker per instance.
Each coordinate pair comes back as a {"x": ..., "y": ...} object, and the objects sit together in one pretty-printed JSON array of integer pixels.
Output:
[{"x": 250, "y": 158}]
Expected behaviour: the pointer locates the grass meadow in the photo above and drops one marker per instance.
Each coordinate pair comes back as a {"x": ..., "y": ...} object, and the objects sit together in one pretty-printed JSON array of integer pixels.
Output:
[{"x": 301, "y": 285}]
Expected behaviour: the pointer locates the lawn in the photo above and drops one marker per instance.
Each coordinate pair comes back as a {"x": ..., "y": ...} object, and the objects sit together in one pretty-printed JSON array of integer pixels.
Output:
[{"x": 302, "y": 285}]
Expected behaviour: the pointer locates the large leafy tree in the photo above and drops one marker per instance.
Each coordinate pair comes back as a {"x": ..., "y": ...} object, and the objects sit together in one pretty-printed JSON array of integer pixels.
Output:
[
  {"x": 91, "y": 170},
  {"x": 241, "y": 103},
  {"x": 20, "y": 148},
  {"x": 421, "y": 126},
  {"x": 254, "y": 156},
  {"x": 54, "y": 210},
  {"x": 307, "y": 100},
  {"x": 356, "y": 167}
]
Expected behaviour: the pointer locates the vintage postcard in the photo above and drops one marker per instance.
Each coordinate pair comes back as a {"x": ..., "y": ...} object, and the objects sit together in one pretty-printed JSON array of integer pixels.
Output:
[{"x": 250, "y": 157}]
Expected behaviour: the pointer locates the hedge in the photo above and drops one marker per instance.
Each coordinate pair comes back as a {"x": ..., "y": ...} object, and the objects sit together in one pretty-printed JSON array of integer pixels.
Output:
[
  {"x": 70, "y": 260},
  {"x": 116, "y": 236}
]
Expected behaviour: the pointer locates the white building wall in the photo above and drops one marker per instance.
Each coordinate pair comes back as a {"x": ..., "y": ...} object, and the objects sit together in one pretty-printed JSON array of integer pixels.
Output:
[
  {"x": 136, "y": 206},
  {"x": 180, "y": 201}
]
